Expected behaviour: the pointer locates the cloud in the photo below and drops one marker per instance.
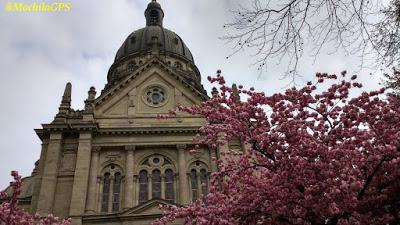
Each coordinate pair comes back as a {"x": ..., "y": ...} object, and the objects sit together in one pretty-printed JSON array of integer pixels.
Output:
[{"x": 43, "y": 51}]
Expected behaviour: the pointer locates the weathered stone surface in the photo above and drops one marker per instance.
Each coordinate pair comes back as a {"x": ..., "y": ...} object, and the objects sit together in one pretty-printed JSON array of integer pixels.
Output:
[{"x": 93, "y": 161}]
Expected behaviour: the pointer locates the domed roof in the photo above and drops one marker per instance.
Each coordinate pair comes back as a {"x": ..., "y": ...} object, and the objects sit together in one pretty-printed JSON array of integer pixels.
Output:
[
  {"x": 154, "y": 40},
  {"x": 154, "y": 37}
]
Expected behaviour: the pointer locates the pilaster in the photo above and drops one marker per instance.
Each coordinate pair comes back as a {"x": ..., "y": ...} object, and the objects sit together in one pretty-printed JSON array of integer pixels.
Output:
[
  {"x": 81, "y": 177},
  {"x": 49, "y": 175},
  {"x": 129, "y": 182},
  {"x": 91, "y": 196},
  {"x": 213, "y": 160},
  {"x": 183, "y": 184}
]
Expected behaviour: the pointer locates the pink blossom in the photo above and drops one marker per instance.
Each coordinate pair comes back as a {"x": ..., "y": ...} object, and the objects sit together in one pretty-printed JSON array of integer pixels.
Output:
[
  {"x": 310, "y": 157},
  {"x": 10, "y": 214}
]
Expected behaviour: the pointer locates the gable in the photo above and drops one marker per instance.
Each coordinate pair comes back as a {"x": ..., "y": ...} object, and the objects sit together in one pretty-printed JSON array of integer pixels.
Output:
[
  {"x": 148, "y": 208},
  {"x": 131, "y": 100}
]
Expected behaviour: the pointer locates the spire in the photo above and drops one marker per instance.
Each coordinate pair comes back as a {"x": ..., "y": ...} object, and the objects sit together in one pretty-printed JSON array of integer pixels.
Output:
[
  {"x": 66, "y": 99},
  {"x": 154, "y": 14},
  {"x": 65, "y": 105}
]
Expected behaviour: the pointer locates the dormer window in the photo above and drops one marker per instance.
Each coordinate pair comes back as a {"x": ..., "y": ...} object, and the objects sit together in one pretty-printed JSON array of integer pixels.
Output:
[
  {"x": 178, "y": 65},
  {"x": 153, "y": 17}
]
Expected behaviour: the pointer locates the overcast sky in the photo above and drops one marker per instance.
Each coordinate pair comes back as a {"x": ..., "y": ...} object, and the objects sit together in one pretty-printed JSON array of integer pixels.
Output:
[{"x": 41, "y": 51}]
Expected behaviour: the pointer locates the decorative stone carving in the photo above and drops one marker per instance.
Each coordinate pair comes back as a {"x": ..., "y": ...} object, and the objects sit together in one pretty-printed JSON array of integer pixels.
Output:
[{"x": 155, "y": 96}]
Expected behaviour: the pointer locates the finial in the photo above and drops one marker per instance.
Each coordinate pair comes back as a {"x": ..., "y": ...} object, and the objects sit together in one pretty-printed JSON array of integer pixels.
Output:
[
  {"x": 66, "y": 99},
  {"x": 235, "y": 91},
  {"x": 214, "y": 92},
  {"x": 65, "y": 105},
  {"x": 92, "y": 93},
  {"x": 89, "y": 106},
  {"x": 154, "y": 14}
]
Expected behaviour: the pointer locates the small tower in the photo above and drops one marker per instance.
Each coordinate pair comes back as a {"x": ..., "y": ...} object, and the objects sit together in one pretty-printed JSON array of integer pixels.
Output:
[{"x": 154, "y": 14}]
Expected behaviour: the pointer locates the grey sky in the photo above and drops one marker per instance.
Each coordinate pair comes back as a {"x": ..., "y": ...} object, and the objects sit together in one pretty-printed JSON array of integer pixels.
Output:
[{"x": 41, "y": 51}]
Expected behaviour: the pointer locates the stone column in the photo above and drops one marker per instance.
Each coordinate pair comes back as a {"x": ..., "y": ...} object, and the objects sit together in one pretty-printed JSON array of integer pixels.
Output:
[
  {"x": 92, "y": 189},
  {"x": 222, "y": 149},
  {"x": 81, "y": 177},
  {"x": 162, "y": 186},
  {"x": 150, "y": 186},
  {"x": 49, "y": 175},
  {"x": 136, "y": 190},
  {"x": 111, "y": 195},
  {"x": 129, "y": 184},
  {"x": 213, "y": 160},
  {"x": 99, "y": 193},
  {"x": 246, "y": 147},
  {"x": 183, "y": 184}
]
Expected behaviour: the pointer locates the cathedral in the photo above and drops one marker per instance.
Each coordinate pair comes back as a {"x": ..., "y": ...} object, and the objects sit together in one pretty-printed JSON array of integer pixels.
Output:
[{"x": 116, "y": 161}]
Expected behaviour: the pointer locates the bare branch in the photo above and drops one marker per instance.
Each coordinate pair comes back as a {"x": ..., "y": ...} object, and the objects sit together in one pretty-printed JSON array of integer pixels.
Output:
[{"x": 282, "y": 30}]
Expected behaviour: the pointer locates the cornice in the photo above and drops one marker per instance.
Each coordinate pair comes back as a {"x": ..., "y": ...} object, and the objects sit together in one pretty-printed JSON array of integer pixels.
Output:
[
  {"x": 148, "y": 130},
  {"x": 147, "y": 66},
  {"x": 65, "y": 127},
  {"x": 76, "y": 128}
]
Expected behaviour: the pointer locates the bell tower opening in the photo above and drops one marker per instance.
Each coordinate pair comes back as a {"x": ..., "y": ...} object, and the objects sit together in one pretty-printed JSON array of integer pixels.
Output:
[{"x": 153, "y": 17}]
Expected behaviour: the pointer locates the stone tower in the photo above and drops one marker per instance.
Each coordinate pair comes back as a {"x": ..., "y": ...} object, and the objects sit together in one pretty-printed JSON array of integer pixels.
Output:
[{"x": 115, "y": 161}]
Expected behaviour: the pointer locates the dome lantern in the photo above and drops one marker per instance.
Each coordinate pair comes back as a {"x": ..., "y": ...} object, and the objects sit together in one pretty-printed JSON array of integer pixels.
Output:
[{"x": 154, "y": 14}]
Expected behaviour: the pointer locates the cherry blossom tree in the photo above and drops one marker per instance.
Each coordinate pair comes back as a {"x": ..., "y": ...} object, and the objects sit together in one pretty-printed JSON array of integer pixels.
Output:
[
  {"x": 10, "y": 214},
  {"x": 310, "y": 155}
]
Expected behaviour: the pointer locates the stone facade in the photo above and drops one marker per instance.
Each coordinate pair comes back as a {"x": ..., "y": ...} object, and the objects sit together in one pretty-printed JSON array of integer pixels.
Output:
[{"x": 115, "y": 161}]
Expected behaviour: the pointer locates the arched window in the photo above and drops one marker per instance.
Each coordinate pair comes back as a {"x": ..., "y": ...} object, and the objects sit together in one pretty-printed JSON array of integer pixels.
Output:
[
  {"x": 203, "y": 181},
  {"x": 143, "y": 186},
  {"x": 106, "y": 192},
  {"x": 160, "y": 170},
  {"x": 198, "y": 179},
  {"x": 156, "y": 183},
  {"x": 117, "y": 191},
  {"x": 194, "y": 184},
  {"x": 169, "y": 186}
]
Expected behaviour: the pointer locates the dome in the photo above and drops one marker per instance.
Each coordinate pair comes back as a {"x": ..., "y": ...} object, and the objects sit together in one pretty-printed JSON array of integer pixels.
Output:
[{"x": 154, "y": 38}]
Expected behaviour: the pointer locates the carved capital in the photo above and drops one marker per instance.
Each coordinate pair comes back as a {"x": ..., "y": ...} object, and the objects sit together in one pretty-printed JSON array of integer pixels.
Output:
[
  {"x": 96, "y": 149},
  {"x": 181, "y": 146},
  {"x": 130, "y": 147}
]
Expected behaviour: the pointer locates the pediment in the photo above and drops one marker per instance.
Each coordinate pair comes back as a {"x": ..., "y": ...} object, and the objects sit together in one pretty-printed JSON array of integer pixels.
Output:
[
  {"x": 145, "y": 213},
  {"x": 128, "y": 98},
  {"x": 150, "y": 207}
]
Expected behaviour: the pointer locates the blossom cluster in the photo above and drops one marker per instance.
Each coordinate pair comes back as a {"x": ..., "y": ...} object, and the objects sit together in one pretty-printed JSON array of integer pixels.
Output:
[
  {"x": 10, "y": 214},
  {"x": 309, "y": 156}
]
